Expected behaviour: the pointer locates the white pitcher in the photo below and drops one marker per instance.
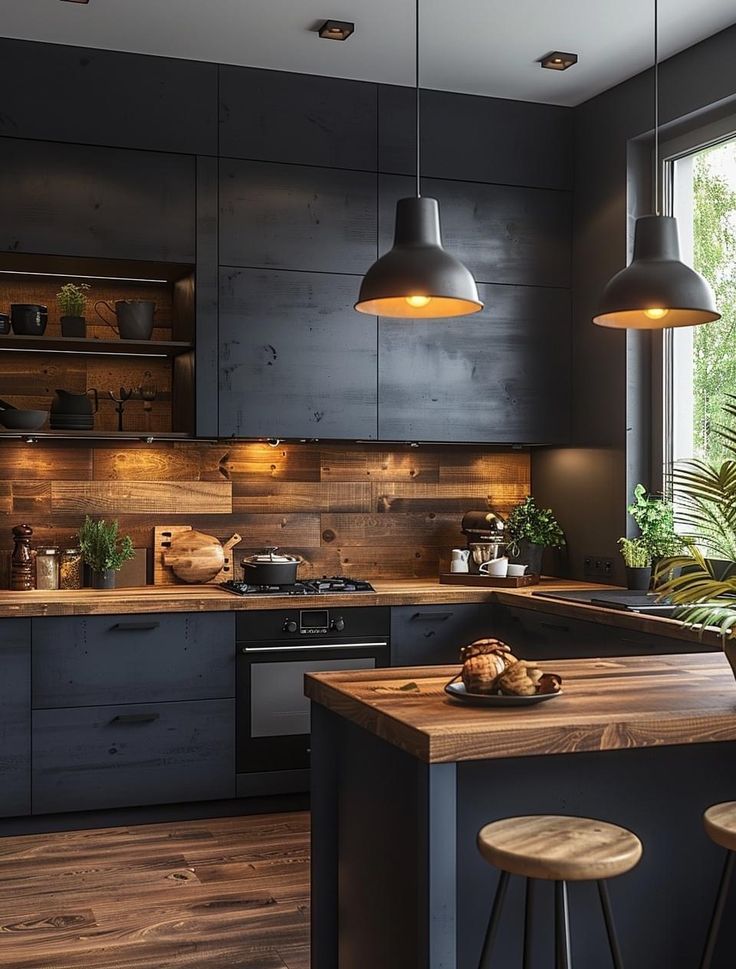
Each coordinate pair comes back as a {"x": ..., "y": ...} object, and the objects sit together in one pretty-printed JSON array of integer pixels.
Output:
[{"x": 459, "y": 560}]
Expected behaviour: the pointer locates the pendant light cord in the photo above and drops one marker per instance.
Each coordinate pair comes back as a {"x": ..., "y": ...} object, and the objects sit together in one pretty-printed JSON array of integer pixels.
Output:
[
  {"x": 656, "y": 107},
  {"x": 416, "y": 95}
]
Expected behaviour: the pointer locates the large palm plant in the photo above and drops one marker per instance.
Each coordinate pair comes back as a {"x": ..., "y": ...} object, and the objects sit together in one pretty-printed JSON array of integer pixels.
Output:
[{"x": 706, "y": 506}]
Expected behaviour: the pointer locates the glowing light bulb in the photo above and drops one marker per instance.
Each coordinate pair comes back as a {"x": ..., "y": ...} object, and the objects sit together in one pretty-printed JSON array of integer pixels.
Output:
[
  {"x": 656, "y": 313},
  {"x": 418, "y": 301}
]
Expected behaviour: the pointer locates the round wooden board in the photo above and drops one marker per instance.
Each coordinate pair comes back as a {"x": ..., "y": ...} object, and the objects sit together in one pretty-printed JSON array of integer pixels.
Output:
[{"x": 195, "y": 557}]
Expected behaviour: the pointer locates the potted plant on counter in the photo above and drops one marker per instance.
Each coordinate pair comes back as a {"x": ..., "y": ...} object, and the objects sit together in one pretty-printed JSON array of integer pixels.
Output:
[
  {"x": 104, "y": 550},
  {"x": 531, "y": 529},
  {"x": 638, "y": 561},
  {"x": 72, "y": 300}
]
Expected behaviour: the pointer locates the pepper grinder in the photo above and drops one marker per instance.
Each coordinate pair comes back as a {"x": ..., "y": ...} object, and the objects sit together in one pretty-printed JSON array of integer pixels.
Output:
[{"x": 22, "y": 578}]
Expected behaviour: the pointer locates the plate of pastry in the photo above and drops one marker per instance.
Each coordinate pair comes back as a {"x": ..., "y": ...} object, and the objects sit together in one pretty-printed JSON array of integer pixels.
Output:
[{"x": 493, "y": 677}]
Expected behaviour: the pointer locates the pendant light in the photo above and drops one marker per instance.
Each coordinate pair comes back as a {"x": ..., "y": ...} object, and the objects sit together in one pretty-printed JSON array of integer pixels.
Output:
[
  {"x": 417, "y": 278},
  {"x": 656, "y": 290}
]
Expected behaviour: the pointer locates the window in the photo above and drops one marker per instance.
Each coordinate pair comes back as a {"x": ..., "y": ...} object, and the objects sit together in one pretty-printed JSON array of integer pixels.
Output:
[{"x": 700, "y": 362}]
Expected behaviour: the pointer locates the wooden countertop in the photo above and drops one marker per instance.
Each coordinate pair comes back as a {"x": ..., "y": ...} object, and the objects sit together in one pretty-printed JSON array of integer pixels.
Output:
[{"x": 607, "y": 704}]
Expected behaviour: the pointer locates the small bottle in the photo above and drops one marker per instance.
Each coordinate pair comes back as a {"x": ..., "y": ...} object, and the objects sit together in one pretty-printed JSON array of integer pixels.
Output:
[
  {"x": 70, "y": 569},
  {"x": 47, "y": 568}
]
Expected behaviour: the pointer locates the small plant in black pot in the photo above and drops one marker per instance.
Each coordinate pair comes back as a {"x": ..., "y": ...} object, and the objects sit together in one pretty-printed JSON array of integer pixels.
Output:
[
  {"x": 638, "y": 561},
  {"x": 530, "y": 530},
  {"x": 655, "y": 517},
  {"x": 104, "y": 551},
  {"x": 72, "y": 300}
]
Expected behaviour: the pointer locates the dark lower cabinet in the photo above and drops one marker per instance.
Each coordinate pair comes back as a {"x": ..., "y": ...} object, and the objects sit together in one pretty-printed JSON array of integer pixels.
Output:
[
  {"x": 433, "y": 635},
  {"x": 92, "y": 758},
  {"x": 296, "y": 360},
  {"x": 15, "y": 717},
  {"x": 502, "y": 375}
]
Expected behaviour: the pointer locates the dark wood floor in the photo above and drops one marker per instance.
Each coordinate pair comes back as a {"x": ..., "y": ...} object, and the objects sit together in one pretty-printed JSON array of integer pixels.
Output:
[{"x": 231, "y": 893}]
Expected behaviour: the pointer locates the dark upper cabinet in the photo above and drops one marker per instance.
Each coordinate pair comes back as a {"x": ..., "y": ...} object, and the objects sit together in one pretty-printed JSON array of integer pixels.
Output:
[
  {"x": 300, "y": 118},
  {"x": 295, "y": 359},
  {"x": 15, "y": 717},
  {"x": 82, "y": 201},
  {"x": 500, "y": 376},
  {"x": 99, "y": 97},
  {"x": 296, "y": 217},
  {"x": 503, "y": 233},
  {"x": 476, "y": 139}
]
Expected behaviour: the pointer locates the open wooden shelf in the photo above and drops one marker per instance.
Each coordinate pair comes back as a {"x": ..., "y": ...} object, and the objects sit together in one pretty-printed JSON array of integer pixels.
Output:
[{"x": 67, "y": 344}]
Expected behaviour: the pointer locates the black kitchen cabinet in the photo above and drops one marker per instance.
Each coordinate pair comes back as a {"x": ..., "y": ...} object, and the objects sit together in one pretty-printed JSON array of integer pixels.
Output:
[
  {"x": 296, "y": 217},
  {"x": 295, "y": 359},
  {"x": 101, "y": 97},
  {"x": 503, "y": 233},
  {"x": 97, "y": 660},
  {"x": 96, "y": 757},
  {"x": 75, "y": 200},
  {"x": 501, "y": 376},
  {"x": 15, "y": 717},
  {"x": 433, "y": 635},
  {"x": 304, "y": 119}
]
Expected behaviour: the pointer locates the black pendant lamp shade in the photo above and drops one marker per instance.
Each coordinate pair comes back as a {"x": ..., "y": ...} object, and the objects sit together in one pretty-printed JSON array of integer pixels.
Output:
[
  {"x": 656, "y": 289},
  {"x": 417, "y": 278}
]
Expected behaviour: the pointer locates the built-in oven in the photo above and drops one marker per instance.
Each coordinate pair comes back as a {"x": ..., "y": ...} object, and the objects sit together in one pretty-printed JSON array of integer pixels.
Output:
[{"x": 276, "y": 648}]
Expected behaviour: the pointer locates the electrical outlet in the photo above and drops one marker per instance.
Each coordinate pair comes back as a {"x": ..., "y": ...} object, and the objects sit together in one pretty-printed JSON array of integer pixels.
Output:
[{"x": 597, "y": 568}]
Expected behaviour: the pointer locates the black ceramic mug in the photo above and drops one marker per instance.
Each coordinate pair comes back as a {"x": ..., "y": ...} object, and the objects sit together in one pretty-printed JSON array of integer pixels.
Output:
[
  {"x": 28, "y": 319},
  {"x": 4, "y": 323}
]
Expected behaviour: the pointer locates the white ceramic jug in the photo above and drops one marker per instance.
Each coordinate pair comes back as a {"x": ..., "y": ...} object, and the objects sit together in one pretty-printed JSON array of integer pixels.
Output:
[{"x": 459, "y": 560}]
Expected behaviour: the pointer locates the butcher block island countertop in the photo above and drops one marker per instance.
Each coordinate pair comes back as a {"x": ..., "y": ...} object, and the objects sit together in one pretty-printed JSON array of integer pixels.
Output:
[{"x": 607, "y": 704}]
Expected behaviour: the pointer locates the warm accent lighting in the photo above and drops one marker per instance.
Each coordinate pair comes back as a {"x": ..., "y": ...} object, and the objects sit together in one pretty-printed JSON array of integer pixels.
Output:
[
  {"x": 656, "y": 314},
  {"x": 335, "y": 29},
  {"x": 418, "y": 301},
  {"x": 558, "y": 60}
]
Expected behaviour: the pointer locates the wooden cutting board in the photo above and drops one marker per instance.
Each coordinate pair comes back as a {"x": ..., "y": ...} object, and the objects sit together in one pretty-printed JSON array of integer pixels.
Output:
[{"x": 184, "y": 555}]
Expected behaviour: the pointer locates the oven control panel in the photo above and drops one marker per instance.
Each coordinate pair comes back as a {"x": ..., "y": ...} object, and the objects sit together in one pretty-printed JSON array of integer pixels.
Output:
[
  {"x": 314, "y": 622},
  {"x": 367, "y": 623}
]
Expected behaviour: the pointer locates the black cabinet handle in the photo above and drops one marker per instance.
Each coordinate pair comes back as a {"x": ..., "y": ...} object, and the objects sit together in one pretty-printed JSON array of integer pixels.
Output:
[
  {"x": 134, "y": 627},
  {"x": 431, "y": 616},
  {"x": 557, "y": 627},
  {"x": 135, "y": 718}
]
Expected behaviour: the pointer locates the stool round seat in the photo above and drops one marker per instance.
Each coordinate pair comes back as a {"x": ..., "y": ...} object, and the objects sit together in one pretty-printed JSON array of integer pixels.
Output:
[
  {"x": 559, "y": 848},
  {"x": 720, "y": 824}
]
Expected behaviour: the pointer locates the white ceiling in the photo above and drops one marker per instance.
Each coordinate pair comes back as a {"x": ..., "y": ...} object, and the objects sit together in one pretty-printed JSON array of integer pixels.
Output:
[{"x": 485, "y": 47}]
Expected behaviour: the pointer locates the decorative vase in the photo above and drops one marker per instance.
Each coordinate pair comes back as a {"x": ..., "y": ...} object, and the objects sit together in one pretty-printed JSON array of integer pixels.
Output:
[
  {"x": 529, "y": 554},
  {"x": 637, "y": 579},
  {"x": 103, "y": 580},
  {"x": 73, "y": 326}
]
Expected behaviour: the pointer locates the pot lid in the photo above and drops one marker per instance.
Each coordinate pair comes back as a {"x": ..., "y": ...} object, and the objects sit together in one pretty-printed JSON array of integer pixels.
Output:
[{"x": 271, "y": 555}]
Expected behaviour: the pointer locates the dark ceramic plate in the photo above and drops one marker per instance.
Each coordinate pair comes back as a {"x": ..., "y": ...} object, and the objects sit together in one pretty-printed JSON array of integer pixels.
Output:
[{"x": 457, "y": 691}]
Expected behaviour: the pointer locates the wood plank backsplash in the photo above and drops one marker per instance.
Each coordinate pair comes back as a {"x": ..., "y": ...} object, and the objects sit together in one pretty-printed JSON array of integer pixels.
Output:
[{"x": 350, "y": 509}]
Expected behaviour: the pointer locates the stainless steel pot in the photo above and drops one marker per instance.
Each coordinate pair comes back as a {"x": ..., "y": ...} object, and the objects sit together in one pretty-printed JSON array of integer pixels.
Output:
[{"x": 270, "y": 567}]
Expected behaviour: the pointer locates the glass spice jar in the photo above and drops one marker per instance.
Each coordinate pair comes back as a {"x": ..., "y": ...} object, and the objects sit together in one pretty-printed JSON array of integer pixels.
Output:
[
  {"x": 70, "y": 569},
  {"x": 47, "y": 568}
]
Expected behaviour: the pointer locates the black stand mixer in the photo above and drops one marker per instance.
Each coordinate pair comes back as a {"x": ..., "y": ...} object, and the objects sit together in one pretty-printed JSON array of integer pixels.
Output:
[{"x": 484, "y": 531}]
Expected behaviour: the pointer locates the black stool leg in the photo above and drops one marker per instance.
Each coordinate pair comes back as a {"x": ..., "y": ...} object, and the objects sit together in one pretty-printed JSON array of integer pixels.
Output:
[
  {"x": 493, "y": 921},
  {"x": 610, "y": 927},
  {"x": 562, "y": 927},
  {"x": 528, "y": 900},
  {"x": 715, "y": 921}
]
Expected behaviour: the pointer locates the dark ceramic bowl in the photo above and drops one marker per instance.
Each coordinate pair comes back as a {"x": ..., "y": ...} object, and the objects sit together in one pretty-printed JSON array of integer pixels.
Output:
[{"x": 23, "y": 420}]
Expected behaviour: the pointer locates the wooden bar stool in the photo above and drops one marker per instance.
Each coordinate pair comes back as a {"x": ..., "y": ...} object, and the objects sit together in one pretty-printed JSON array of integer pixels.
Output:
[
  {"x": 720, "y": 826},
  {"x": 561, "y": 850}
]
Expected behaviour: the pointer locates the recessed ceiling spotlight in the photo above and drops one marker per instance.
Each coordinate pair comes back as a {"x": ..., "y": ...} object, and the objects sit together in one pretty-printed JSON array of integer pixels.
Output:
[
  {"x": 335, "y": 29},
  {"x": 558, "y": 60}
]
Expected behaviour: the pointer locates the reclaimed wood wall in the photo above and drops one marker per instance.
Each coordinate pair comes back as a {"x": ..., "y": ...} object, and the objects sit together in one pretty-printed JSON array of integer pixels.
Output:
[{"x": 358, "y": 510}]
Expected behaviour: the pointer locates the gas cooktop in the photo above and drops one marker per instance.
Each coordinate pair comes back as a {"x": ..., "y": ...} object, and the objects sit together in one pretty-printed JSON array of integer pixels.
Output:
[{"x": 309, "y": 587}]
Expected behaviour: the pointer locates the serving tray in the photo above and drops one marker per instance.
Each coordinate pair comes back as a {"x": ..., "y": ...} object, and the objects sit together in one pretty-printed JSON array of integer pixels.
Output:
[{"x": 488, "y": 581}]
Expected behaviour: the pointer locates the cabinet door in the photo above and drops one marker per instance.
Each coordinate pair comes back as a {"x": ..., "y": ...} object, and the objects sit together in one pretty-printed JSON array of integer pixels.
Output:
[
  {"x": 433, "y": 635},
  {"x": 73, "y": 200},
  {"x": 295, "y": 359},
  {"x": 295, "y": 217},
  {"x": 92, "y": 758},
  {"x": 94, "y": 660},
  {"x": 15, "y": 717},
  {"x": 501, "y": 376}
]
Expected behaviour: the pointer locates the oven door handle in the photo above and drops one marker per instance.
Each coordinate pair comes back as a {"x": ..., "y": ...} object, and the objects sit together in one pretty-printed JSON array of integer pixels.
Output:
[{"x": 311, "y": 647}]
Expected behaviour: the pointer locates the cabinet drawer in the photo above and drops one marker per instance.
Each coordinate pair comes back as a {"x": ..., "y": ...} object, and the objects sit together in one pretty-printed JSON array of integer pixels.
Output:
[
  {"x": 433, "y": 635},
  {"x": 118, "y": 756},
  {"x": 96, "y": 660}
]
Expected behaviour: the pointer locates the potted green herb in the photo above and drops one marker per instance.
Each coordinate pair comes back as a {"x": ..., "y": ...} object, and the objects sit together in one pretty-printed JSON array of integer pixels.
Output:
[
  {"x": 638, "y": 561},
  {"x": 104, "y": 551},
  {"x": 72, "y": 300},
  {"x": 530, "y": 530}
]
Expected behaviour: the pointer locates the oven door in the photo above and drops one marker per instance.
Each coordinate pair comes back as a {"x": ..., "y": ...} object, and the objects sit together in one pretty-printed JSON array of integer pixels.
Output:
[{"x": 273, "y": 713}]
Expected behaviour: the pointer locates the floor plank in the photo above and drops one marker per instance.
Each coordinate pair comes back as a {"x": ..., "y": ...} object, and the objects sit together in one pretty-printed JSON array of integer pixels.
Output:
[{"x": 227, "y": 893}]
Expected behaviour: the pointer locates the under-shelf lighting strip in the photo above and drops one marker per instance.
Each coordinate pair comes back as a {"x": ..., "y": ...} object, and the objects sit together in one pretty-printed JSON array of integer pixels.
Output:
[{"x": 72, "y": 275}]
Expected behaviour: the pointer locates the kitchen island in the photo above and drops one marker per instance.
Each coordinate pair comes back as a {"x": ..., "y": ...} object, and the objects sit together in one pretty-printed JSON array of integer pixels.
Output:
[{"x": 403, "y": 779}]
